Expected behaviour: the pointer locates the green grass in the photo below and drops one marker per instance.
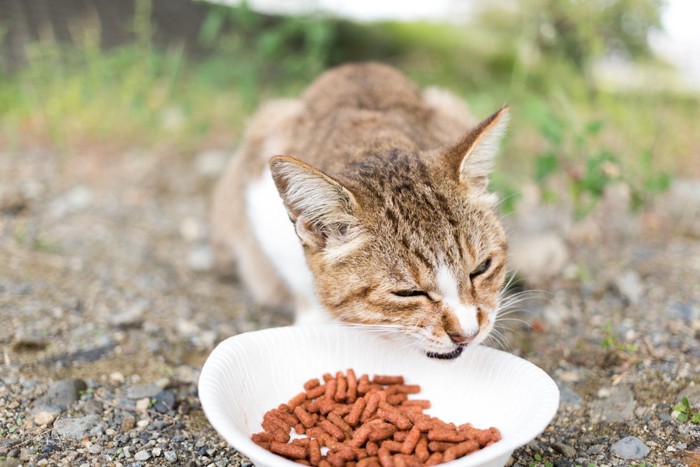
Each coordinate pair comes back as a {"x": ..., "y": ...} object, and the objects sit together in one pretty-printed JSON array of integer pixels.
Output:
[{"x": 563, "y": 128}]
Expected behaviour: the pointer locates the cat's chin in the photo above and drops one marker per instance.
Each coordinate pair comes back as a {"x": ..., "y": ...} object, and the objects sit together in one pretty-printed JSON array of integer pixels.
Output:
[{"x": 448, "y": 355}]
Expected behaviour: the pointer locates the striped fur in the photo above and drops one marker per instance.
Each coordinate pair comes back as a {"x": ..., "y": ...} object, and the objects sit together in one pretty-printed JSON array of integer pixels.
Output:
[{"x": 387, "y": 192}]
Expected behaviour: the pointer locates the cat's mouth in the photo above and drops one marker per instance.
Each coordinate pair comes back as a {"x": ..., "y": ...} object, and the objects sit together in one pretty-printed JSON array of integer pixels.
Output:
[{"x": 447, "y": 356}]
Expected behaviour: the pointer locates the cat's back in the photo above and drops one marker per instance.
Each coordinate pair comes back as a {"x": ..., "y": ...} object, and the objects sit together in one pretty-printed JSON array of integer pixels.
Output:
[{"x": 363, "y": 86}]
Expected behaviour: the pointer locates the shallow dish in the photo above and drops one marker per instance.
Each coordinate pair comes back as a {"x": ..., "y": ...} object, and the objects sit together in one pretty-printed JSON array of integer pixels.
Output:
[{"x": 249, "y": 374}]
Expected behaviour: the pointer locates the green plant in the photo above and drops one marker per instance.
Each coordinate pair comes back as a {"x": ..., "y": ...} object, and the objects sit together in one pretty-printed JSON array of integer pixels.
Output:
[
  {"x": 539, "y": 462},
  {"x": 686, "y": 413},
  {"x": 575, "y": 153},
  {"x": 610, "y": 341}
]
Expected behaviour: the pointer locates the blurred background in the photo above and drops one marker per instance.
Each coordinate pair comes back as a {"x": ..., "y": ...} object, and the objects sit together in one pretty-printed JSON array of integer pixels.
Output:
[{"x": 602, "y": 91}]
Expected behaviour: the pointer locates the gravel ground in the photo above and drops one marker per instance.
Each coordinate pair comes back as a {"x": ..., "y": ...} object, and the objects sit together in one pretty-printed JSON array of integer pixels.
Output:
[{"x": 111, "y": 305}]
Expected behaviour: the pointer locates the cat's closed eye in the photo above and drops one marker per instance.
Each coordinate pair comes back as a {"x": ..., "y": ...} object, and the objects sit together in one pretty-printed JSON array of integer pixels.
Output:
[
  {"x": 412, "y": 293},
  {"x": 481, "y": 268}
]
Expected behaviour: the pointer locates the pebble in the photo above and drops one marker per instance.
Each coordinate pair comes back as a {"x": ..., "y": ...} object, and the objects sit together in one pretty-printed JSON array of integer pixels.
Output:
[
  {"x": 630, "y": 448},
  {"x": 614, "y": 405},
  {"x": 200, "y": 257},
  {"x": 29, "y": 340},
  {"x": 75, "y": 199},
  {"x": 143, "y": 404},
  {"x": 683, "y": 311},
  {"x": 629, "y": 286},
  {"x": 132, "y": 317},
  {"x": 139, "y": 391},
  {"x": 170, "y": 456},
  {"x": 60, "y": 395},
  {"x": 44, "y": 418},
  {"x": 142, "y": 455},
  {"x": 164, "y": 401},
  {"x": 77, "y": 427},
  {"x": 537, "y": 257},
  {"x": 568, "y": 396}
]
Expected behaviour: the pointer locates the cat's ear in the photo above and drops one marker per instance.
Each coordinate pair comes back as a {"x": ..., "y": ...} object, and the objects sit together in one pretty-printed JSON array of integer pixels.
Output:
[
  {"x": 322, "y": 210},
  {"x": 474, "y": 155}
]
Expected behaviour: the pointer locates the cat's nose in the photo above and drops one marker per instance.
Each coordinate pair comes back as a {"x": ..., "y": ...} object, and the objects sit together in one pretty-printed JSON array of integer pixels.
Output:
[{"x": 459, "y": 338}]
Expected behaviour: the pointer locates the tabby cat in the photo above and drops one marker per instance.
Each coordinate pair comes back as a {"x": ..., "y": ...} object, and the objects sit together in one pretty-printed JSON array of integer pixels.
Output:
[{"x": 392, "y": 223}]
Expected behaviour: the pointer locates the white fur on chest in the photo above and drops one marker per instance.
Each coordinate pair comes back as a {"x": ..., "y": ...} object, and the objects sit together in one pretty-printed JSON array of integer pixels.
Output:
[{"x": 275, "y": 234}]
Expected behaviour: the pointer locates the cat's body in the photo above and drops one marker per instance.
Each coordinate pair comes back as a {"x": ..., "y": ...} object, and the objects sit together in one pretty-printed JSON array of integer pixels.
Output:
[{"x": 391, "y": 220}]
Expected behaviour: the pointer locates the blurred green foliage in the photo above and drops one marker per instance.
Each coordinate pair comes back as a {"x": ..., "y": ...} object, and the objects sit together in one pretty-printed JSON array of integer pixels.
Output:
[{"x": 539, "y": 56}]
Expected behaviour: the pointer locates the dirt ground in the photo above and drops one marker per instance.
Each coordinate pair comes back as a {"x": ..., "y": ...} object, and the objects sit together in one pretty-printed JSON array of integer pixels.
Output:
[{"x": 106, "y": 278}]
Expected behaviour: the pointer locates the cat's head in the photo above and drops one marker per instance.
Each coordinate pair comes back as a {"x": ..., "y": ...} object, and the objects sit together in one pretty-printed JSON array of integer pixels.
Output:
[{"x": 407, "y": 239}]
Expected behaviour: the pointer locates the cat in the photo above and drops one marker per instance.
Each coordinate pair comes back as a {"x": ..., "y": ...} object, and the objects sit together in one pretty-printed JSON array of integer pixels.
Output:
[{"x": 366, "y": 200}]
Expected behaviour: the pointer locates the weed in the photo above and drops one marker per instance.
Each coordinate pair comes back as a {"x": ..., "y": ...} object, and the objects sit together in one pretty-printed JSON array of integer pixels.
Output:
[
  {"x": 685, "y": 413},
  {"x": 610, "y": 342}
]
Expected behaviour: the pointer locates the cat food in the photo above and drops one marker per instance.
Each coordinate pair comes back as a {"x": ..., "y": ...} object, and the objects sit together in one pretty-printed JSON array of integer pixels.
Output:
[{"x": 363, "y": 422}]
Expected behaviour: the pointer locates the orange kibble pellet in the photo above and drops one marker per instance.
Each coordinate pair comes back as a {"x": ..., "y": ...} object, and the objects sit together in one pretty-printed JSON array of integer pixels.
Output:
[
  {"x": 297, "y": 400},
  {"x": 370, "y": 461},
  {"x": 434, "y": 459},
  {"x": 411, "y": 441},
  {"x": 312, "y": 383},
  {"x": 372, "y": 448},
  {"x": 391, "y": 445},
  {"x": 370, "y": 407},
  {"x": 422, "y": 452},
  {"x": 314, "y": 451},
  {"x": 387, "y": 380},
  {"x": 352, "y": 386},
  {"x": 289, "y": 451},
  {"x": 396, "y": 399},
  {"x": 385, "y": 458},
  {"x": 340, "y": 423},
  {"x": 332, "y": 430},
  {"x": 318, "y": 391},
  {"x": 459, "y": 450},
  {"x": 381, "y": 431},
  {"x": 331, "y": 388},
  {"x": 342, "y": 386},
  {"x": 304, "y": 417},
  {"x": 363, "y": 384}
]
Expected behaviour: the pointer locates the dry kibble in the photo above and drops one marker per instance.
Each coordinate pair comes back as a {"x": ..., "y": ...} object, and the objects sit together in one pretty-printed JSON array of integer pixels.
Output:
[{"x": 365, "y": 423}]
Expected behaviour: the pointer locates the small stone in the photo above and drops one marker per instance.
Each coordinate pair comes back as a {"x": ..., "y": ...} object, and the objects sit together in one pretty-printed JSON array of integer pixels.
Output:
[
  {"x": 76, "y": 199},
  {"x": 77, "y": 427},
  {"x": 139, "y": 391},
  {"x": 142, "y": 423},
  {"x": 128, "y": 423},
  {"x": 568, "y": 395},
  {"x": 143, "y": 404},
  {"x": 594, "y": 450},
  {"x": 615, "y": 405},
  {"x": 44, "y": 418},
  {"x": 630, "y": 448},
  {"x": 683, "y": 311},
  {"x": 538, "y": 256},
  {"x": 116, "y": 377},
  {"x": 564, "y": 449},
  {"x": 629, "y": 286},
  {"x": 95, "y": 449},
  {"x": 170, "y": 456},
  {"x": 132, "y": 317},
  {"x": 60, "y": 395},
  {"x": 156, "y": 452},
  {"x": 142, "y": 455},
  {"x": 164, "y": 401},
  {"x": 200, "y": 258},
  {"x": 29, "y": 340}
]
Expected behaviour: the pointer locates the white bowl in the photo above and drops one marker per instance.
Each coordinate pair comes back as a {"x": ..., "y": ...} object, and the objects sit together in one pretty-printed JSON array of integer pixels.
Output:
[{"x": 249, "y": 374}]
